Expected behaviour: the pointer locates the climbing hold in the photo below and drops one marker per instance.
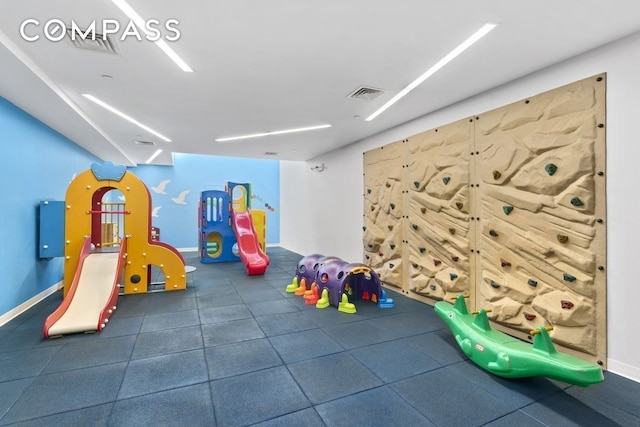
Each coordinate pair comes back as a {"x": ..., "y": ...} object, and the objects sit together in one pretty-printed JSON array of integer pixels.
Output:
[
  {"x": 364, "y": 228},
  {"x": 455, "y": 258},
  {"x": 562, "y": 238},
  {"x": 551, "y": 169},
  {"x": 567, "y": 305},
  {"x": 388, "y": 185},
  {"x": 493, "y": 233},
  {"x": 496, "y": 175},
  {"x": 437, "y": 262},
  {"x": 453, "y": 276},
  {"x": 504, "y": 262},
  {"x": 532, "y": 282},
  {"x": 422, "y": 250},
  {"x": 373, "y": 208},
  {"x": 446, "y": 180},
  {"x": 414, "y": 265},
  {"x": 417, "y": 184},
  {"x": 423, "y": 210},
  {"x": 507, "y": 209},
  {"x": 393, "y": 205},
  {"x": 393, "y": 245},
  {"x": 380, "y": 254},
  {"x": 529, "y": 316},
  {"x": 568, "y": 277},
  {"x": 414, "y": 226},
  {"x": 433, "y": 287},
  {"x": 390, "y": 227},
  {"x": 459, "y": 205},
  {"x": 368, "y": 191},
  {"x": 494, "y": 284},
  {"x": 367, "y": 256},
  {"x": 452, "y": 231},
  {"x": 391, "y": 265},
  {"x": 577, "y": 202}
]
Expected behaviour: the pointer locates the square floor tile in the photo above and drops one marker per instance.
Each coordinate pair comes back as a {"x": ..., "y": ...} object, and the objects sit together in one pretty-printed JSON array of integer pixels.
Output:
[
  {"x": 357, "y": 334},
  {"x": 230, "y": 332},
  {"x": 305, "y": 418},
  {"x": 257, "y": 396},
  {"x": 224, "y": 314},
  {"x": 377, "y": 407},
  {"x": 185, "y": 406},
  {"x": 278, "y": 324},
  {"x": 84, "y": 354},
  {"x": 240, "y": 358},
  {"x": 304, "y": 345},
  {"x": 169, "y": 341},
  {"x": 161, "y": 373},
  {"x": 267, "y": 308},
  {"x": 332, "y": 377},
  {"x": 392, "y": 361},
  {"x": 25, "y": 363},
  {"x": 95, "y": 416},
  {"x": 170, "y": 320},
  {"x": 67, "y": 391}
]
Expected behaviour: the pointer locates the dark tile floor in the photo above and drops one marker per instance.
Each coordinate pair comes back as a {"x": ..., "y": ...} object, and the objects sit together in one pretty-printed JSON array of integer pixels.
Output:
[{"x": 234, "y": 350}]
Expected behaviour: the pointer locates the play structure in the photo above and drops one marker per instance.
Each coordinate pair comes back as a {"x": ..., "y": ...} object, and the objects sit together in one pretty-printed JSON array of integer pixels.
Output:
[
  {"x": 230, "y": 230},
  {"x": 328, "y": 280},
  {"x": 510, "y": 357},
  {"x": 95, "y": 265}
]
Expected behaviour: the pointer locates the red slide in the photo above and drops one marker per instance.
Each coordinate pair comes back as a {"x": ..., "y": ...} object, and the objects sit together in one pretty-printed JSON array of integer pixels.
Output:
[{"x": 251, "y": 255}]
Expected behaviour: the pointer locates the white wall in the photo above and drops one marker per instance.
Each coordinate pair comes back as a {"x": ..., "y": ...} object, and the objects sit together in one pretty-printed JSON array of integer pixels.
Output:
[{"x": 324, "y": 210}]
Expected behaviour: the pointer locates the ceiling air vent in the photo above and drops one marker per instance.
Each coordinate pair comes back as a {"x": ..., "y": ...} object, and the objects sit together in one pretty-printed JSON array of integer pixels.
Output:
[
  {"x": 137, "y": 142},
  {"x": 84, "y": 39},
  {"x": 366, "y": 93},
  {"x": 270, "y": 153}
]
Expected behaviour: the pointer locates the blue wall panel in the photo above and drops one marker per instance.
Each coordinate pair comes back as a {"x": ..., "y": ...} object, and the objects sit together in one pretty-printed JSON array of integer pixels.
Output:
[
  {"x": 175, "y": 192},
  {"x": 37, "y": 164}
]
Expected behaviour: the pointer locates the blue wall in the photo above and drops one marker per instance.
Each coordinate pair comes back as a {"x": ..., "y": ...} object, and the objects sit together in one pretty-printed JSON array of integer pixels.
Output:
[
  {"x": 178, "y": 219},
  {"x": 38, "y": 164}
]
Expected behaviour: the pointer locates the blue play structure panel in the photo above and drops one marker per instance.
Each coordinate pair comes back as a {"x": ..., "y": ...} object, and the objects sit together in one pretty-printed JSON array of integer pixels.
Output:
[
  {"x": 51, "y": 242},
  {"x": 108, "y": 171},
  {"x": 216, "y": 234}
]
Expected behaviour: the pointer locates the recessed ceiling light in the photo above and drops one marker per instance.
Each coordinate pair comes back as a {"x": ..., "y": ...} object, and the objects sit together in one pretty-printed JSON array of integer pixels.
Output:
[
  {"x": 486, "y": 28},
  {"x": 140, "y": 23},
  {"x": 277, "y": 132},
  {"x": 153, "y": 156},
  {"x": 124, "y": 116}
]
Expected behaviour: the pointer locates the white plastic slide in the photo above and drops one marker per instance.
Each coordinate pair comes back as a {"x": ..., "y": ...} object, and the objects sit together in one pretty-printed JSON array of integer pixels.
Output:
[{"x": 92, "y": 296}]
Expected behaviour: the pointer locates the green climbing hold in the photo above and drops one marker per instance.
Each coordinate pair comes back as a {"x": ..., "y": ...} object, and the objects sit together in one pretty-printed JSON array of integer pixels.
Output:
[
  {"x": 391, "y": 265},
  {"x": 417, "y": 184},
  {"x": 577, "y": 202},
  {"x": 507, "y": 209},
  {"x": 393, "y": 205},
  {"x": 446, "y": 180},
  {"x": 494, "y": 284},
  {"x": 414, "y": 226},
  {"x": 422, "y": 250},
  {"x": 433, "y": 287},
  {"x": 551, "y": 169},
  {"x": 368, "y": 191},
  {"x": 568, "y": 277},
  {"x": 364, "y": 228},
  {"x": 393, "y": 246},
  {"x": 532, "y": 282},
  {"x": 367, "y": 256},
  {"x": 493, "y": 233},
  {"x": 453, "y": 276}
]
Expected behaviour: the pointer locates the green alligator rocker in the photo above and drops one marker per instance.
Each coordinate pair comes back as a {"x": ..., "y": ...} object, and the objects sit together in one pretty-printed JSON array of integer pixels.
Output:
[{"x": 509, "y": 357}]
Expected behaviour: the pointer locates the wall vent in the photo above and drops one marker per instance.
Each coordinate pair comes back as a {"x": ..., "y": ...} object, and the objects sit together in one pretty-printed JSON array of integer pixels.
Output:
[
  {"x": 138, "y": 142},
  {"x": 270, "y": 153},
  {"x": 96, "y": 41},
  {"x": 366, "y": 93}
]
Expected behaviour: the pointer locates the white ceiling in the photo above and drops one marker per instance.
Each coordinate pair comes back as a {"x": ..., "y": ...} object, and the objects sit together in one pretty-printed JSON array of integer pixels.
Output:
[{"x": 269, "y": 65}]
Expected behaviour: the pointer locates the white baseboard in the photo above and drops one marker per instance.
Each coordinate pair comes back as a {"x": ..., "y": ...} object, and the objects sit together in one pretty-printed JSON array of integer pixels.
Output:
[
  {"x": 11, "y": 314},
  {"x": 624, "y": 370}
]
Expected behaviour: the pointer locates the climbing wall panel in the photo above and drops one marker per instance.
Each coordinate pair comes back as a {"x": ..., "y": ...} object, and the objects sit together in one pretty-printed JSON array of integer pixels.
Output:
[
  {"x": 508, "y": 206},
  {"x": 542, "y": 206},
  {"x": 438, "y": 226},
  {"x": 383, "y": 217}
]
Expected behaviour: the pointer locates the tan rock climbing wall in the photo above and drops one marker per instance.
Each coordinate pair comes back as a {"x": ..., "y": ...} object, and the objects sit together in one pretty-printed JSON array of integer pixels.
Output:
[
  {"x": 383, "y": 212},
  {"x": 541, "y": 196},
  {"x": 438, "y": 227},
  {"x": 508, "y": 206}
]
